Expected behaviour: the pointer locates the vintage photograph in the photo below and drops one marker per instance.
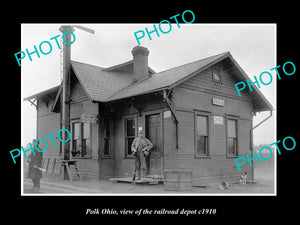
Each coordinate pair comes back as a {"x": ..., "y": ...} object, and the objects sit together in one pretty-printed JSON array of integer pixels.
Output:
[{"x": 103, "y": 114}]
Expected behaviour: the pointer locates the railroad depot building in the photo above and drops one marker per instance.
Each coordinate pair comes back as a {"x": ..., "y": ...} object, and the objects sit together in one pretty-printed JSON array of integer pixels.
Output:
[{"x": 192, "y": 114}]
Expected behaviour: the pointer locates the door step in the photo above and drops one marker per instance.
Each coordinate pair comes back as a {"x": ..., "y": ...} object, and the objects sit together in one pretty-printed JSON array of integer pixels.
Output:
[{"x": 150, "y": 180}]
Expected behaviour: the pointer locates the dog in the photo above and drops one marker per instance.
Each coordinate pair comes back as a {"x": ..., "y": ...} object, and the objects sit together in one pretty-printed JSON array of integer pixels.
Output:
[{"x": 243, "y": 179}]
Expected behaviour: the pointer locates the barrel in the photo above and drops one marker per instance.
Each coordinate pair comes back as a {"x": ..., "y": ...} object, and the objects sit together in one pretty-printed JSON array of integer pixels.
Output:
[{"x": 178, "y": 180}]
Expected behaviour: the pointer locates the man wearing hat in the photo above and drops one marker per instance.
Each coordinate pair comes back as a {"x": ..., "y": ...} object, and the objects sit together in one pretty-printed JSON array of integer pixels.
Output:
[{"x": 141, "y": 149}]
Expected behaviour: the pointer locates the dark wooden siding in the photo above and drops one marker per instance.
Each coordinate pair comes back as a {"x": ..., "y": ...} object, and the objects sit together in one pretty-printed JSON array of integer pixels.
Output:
[
  {"x": 88, "y": 167},
  {"x": 195, "y": 96},
  {"x": 47, "y": 123},
  {"x": 196, "y": 100},
  {"x": 124, "y": 166},
  {"x": 217, "y": 166},
  {"x": 80, "y": 104},
  {"x": 77, "y": 92},
  {"x": 203, "y": 81},
  {"x": 169, "y": 141}
]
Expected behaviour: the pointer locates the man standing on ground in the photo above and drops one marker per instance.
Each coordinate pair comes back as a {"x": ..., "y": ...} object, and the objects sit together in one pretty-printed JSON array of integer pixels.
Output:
[
  {"x": 141, "y": 149},
  {"x": 35, "y": 164}
]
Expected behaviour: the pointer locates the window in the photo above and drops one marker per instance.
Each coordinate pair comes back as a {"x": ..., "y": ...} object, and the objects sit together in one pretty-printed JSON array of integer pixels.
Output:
[
  {"x": 81, "y": 139},
  {"x": 129, "y": 135},
  {"x": 76, "y": 139},
  {"x": 231, "y": 137},
  {"x": 217, "y": 74},
  {"x": 86, "y": 144},
  {"x": 106, "y": 137},
  {"x": 201, "y": 135}
]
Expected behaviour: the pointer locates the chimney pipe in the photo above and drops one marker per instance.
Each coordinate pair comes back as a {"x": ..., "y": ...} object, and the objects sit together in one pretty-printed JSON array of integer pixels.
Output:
[{"x": 140, "y": 63}]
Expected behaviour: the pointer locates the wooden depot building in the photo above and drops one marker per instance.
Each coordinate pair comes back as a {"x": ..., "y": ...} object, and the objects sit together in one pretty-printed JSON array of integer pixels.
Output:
[{"x": 192, "y": 114}]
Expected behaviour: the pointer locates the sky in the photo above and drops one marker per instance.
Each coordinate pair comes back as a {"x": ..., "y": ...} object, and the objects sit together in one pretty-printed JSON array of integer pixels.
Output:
[{"x": 253, "y": 46}]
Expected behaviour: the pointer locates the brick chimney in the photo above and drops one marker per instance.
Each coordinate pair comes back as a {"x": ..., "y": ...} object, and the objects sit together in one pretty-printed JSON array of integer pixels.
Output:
[{"x": 140, "y": 63}]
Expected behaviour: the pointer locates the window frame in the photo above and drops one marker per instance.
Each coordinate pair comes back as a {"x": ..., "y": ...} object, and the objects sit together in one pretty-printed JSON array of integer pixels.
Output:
[
  {"x": 230, "y": 155},
  {"x": 81, "y": 129},
  {"x": 207, "y": 115},
  {"x": 107, "y": 138},
  {"x": 134, "y": 118},
  {"x": 220, "y": 75},
  {"x": 89, "y": 139}
]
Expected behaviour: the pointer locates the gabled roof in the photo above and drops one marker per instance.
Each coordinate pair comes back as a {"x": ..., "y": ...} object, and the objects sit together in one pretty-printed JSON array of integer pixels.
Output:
[
  {"x": 168, "y": 78},
  {"x": 98, "y": 83},
  {"x": 115, "y": 83}
]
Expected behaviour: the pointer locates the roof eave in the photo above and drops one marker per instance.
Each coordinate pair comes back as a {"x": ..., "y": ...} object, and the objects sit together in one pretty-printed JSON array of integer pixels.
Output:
[
  {"x": 255, "y": 89},
  {"x": 42, "y": 93},
  {"x": 226, "y": 54},
  {"x": 142, "y": 93}
]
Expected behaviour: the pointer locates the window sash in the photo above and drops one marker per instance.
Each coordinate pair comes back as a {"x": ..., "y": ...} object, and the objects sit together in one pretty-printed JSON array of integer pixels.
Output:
[
  {"x": 232, "y": 146},
  {"x": 81, "y": 140},
  {"x": 75, "y": 145},
  {"x": 201, "y": 135},
  {"x": 106, "y": 128},
  {"x": 129, "y": 136},
  {"x": 130, "y": 127},
  {"x": 202, "y": 145},
  {"x": 201, "y": 122},
  {"x": 86, "y": 130},
  {"x": 232, "y": 140},
  {"x": 106, "y": 150},
  {"x": 231, "y": 128},
  {"x": 76, "y": 131}
]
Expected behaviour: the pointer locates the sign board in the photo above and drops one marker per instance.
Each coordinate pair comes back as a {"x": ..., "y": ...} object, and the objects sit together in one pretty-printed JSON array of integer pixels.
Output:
[
  {"x": 89, "y": 118},
  {"x": 218, "y": 120},
  {"x": 167, "y": 114},
  {"x": 219, "y": 102}
]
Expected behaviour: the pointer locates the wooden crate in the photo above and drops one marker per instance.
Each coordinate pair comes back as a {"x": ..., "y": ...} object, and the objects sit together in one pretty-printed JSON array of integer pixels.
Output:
[{"x": 178, "y": 180}]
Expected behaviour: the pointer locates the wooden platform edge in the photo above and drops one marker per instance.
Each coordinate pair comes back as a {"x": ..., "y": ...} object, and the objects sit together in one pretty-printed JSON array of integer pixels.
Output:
[{"x": 148, "y": 181}]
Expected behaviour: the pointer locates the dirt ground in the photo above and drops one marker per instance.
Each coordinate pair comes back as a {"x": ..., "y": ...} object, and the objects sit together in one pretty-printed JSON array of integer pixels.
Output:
[{"x": 263, "y": 177}]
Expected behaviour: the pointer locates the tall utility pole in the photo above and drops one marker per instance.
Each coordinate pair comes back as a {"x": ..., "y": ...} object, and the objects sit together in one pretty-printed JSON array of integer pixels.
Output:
[
  {"x": 66, "y": 93},
  {"x": 67, "y": 88}
]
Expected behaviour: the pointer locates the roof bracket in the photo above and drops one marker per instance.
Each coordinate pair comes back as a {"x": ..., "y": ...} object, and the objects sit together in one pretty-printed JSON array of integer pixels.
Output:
[
  {"x": 172, "y": 109},
  {"x": 32, "y": 102},
  {"x": 263, "y": 120}
]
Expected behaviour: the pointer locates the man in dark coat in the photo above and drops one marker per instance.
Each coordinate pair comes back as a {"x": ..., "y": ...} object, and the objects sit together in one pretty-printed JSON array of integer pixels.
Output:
[{"x": 35, "y": 162}]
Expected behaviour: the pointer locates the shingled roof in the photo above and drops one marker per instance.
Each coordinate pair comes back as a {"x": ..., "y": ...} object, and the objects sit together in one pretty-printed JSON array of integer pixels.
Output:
[
  {"x": 115, "y": 83},
  {"x": 167, "y": 78},
  {"x": 98, "y": 83},
  {"x": 103, "y": 85}
]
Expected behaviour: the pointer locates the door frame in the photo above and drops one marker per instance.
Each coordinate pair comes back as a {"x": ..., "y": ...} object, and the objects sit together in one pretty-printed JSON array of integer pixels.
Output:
[{"x": 160, "y": 112}]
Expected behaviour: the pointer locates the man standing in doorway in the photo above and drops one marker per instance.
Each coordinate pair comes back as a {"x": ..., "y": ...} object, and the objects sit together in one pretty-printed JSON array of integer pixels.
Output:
[{"x": 141, "y": 149}]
